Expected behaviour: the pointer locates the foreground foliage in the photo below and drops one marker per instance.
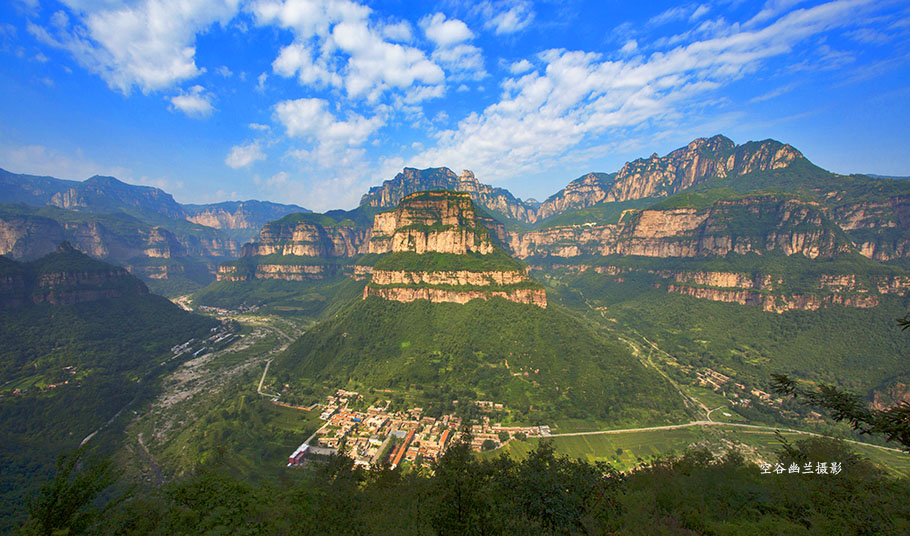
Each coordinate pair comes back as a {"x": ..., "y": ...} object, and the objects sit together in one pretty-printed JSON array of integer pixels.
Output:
[{"x": 694, "y": 493}]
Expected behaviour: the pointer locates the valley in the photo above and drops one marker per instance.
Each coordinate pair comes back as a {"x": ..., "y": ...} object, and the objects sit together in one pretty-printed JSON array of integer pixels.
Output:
[{"x": 629, "y": 318}]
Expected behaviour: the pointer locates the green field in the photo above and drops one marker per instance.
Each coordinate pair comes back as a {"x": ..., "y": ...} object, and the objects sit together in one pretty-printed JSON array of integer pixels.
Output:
[{"x": 645, "y": 445}]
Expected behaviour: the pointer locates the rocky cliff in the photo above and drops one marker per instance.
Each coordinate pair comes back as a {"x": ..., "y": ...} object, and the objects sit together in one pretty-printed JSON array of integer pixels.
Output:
[
  {"x": 434, "y": 247},
  {"x": 702, "y": 159},
  {"x": 298, "y": 247},
  {"x": 27, "y": 233},
  {"x": 64, "y": 277},
  {"x": 764, "y": 223},
  {"x": 411, "y": 180},
  {"x": 581, "y": 193}
]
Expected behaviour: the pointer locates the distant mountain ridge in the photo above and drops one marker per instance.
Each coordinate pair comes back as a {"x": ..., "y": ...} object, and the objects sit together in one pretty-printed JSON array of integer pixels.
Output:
[
  {"x": 169, "y": 244},
  {"x": 700, "y": 160},
  {"x": 64, "y": 277},
  {"x": 109, "y": 194}
]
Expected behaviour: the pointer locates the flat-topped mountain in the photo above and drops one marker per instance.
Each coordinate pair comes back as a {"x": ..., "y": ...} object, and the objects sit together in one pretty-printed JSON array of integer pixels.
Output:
[
  {"x": 434, "y": 247},
  {"x": 410, "y": 180}
]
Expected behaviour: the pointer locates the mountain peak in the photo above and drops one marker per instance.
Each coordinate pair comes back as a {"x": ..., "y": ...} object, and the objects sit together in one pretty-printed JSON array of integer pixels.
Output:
[{"x": 435, "y": 248}]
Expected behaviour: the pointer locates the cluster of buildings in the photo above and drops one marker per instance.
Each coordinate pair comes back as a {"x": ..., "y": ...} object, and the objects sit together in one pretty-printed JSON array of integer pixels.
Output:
[
  {"x": 220, "y": 336},
  {"x": 243, "y": 308},
  {"x": 379, "y": 435}
]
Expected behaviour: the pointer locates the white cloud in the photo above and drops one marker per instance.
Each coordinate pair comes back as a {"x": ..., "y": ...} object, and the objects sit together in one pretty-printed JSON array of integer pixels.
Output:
[
  {"x": 278, "y": 179},
  {"x": 195, "y": 103},
  {"x": 336, "y": 45},
  {"x": 464, "y": 61},
  {"x": 445, "y": 32},
  {"x": 399, "y": 31},
  {"x": 311, "y": 118},
  {"x": 149, "y": 44},
  {"x": 519, "y": 67},
  {"x": 224, "y": 71},
  {"x": 507, "y": 17},
  {"x": 629, "y": 47},
  {"x": 244, "y": 155},
  {"x": 700, "y": 12},
  {"x": 297, "y": 58},
  {"x": 449, "y": 35},
  {"x": 543, "y": 117},
  {"x": 258, "y": 126}
]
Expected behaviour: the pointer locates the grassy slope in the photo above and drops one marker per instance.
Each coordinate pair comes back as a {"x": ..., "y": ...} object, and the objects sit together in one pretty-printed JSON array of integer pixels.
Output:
[
  {"x": 307, "y": 298},
  {"x": 111, "y": 343},
  {"x": 452, "y": 351},
  {"x": 859, "y": 349}
]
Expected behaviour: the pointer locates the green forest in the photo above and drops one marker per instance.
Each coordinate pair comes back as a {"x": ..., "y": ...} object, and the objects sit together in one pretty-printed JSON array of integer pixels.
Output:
[
  {"x": 547, "y": 366},
  {"x": 695, "y": 492}
]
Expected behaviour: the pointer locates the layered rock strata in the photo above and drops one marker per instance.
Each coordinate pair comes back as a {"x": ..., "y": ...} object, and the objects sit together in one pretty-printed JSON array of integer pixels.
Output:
[{"x": 434, "y": 248}]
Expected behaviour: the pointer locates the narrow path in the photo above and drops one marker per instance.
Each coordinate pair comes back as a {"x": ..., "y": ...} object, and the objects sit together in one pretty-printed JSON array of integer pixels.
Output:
[{"x": 262, "y": 380}]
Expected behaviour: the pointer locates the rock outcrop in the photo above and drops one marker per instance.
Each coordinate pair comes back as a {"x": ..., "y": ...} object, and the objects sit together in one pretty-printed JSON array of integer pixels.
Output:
[
  {"x": 411, "y": 180},
  {"x": 773, "y": 293},
  {"x": 435, "y": 248},
  {"x": 702, "y": 159},
  {"x": 581, "y": 193},
  {"x": 298, "y": 247},
  {"x": 757, "y": 224},
  {"x": 64, "y": 277}
]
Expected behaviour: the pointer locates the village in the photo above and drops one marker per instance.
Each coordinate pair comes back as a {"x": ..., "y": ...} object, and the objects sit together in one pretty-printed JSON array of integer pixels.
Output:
[{"x": 378, "y": 435}]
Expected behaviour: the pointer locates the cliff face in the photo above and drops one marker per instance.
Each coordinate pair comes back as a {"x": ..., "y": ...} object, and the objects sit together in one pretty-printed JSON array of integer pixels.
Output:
[
  {"x": 307, "y": 239},
  {"x": 435, "y": 248},
  {"x": 880, "y": 229},
  {"x": 285, "y": 272},
  {"x": 411, "y": 180},
  {"x": 27, "y": 238},
  {"x": 581, "y": 193},
  {"x": 64, "y": 277},
  {"x": 441, "y": 222},
  {"x": 755, "y": 224},
  {"x": 702, "y": 159},
  {"x": 296, "y": 248}
]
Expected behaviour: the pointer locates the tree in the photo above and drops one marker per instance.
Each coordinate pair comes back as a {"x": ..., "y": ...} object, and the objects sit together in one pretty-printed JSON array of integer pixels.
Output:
[
  {"x": 66, "y": 504},
  {"x": 503, "y": 436},
  {"x": 893, "y": 423},
  {"x": 488, "y": 444},
  {"x": 904, "y": 322}
]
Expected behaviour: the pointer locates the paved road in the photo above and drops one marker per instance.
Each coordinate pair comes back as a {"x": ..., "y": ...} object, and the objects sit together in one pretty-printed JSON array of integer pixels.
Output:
[{"x": 714, "y": 423}]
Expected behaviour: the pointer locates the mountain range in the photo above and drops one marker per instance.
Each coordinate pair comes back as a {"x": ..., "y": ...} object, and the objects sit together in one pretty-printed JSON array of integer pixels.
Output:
[
  {"x": 173, "y": 247},
  {"x": 708, "y": 199}
]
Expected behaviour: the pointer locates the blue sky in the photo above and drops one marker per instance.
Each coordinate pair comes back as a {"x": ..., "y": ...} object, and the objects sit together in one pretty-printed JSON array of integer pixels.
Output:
[{"x": 313, "y": 101}]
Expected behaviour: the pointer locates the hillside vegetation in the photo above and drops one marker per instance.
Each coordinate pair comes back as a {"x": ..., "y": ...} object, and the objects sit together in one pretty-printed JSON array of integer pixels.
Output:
[{"x": 543, "y": 364}]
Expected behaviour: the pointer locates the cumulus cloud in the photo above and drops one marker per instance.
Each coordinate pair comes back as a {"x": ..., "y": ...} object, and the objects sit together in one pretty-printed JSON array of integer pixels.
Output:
[
  {"x": 195, "y": 102},
  {"x": 336, "y": 45},
  {"x": 519, "y": 67},
  {"x": 244, "y": 155},
  {"x": 445, "y": 32},
  {"x": 149, "y": 44},
  {"x": 579, "y": 97},
  {"x": 311, "y": 118},
  {"x": 399, "y": 31},
  {"x": 449, "y": 36},
  {"x": 507, "y": 17}
]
